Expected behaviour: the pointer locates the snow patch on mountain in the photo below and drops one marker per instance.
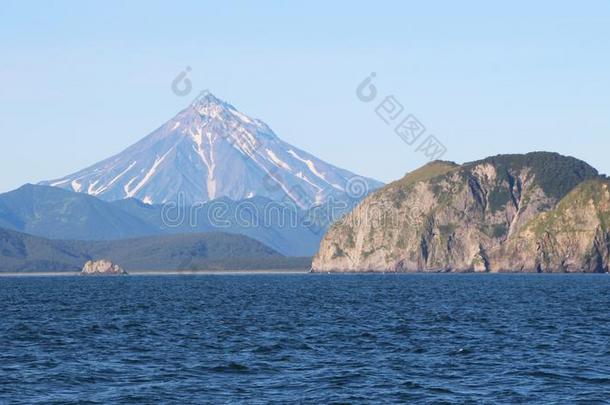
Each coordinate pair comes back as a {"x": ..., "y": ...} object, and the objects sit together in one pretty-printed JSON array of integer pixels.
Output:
[{"x": 278, "y": 161}]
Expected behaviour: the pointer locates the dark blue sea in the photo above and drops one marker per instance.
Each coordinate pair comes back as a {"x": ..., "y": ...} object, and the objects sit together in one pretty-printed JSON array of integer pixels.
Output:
[{"x": 306, "y": 339}]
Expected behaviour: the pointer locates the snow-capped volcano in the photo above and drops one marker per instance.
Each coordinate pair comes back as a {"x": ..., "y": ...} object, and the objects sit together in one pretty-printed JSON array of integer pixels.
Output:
[{"x": 211, "y": 150}]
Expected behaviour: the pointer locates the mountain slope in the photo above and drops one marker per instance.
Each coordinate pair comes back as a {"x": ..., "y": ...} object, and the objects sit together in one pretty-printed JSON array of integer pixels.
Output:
[
  {"x": 20, "y": 252},
  {"x": 61, "y": 214},
  {"x": 211, "y": 150},
  {"x": 282, "y": 227},
  {"x": 54, "y": 213},
  {"x": 476, "y": 217}
]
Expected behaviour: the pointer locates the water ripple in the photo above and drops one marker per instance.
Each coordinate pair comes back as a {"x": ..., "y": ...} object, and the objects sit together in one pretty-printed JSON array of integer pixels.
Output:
[{"x": 306, "y": 339}]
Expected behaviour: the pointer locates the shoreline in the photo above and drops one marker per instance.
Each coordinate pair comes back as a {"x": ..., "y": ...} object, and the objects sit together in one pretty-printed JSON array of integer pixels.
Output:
[
  {"x": 264, "y": 272},
  {"x": 157, "y": 273}
]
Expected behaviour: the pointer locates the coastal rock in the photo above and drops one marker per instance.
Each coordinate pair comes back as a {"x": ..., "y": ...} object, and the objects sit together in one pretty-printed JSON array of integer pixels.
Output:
[
  {"x": 540, "y": 212},
  {"x": 102, "y": 267}
]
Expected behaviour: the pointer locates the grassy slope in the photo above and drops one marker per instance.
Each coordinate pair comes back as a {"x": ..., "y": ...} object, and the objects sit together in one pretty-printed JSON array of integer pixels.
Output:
[{"x": 566, "y": 216}]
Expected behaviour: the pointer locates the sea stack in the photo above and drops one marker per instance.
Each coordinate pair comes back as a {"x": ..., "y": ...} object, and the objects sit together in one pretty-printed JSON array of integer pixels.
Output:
[{"x": 102, "y": 268}]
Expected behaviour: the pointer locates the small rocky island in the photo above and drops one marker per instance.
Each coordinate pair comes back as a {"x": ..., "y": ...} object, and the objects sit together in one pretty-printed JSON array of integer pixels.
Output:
[{"x": 102, "y": 268}]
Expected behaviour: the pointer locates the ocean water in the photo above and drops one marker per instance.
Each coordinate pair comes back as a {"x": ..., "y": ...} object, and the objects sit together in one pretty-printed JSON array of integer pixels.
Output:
[{"x": 306, "y": 339}]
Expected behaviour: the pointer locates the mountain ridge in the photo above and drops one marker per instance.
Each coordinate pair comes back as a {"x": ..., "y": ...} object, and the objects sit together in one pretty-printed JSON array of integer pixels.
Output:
[
  {"x": 46, "y": 211},
  {"x": 211, "y": 150},
  {"x": 20, "y": 252},
  {"x": 55, "y": 213}
]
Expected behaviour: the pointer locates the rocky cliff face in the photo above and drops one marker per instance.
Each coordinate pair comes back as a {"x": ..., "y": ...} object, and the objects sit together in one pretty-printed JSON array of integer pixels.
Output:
[
  {"x": 102, "y": 267},
  {"x": 534, "y": 212},
  {"x": 573, "y": 237}
]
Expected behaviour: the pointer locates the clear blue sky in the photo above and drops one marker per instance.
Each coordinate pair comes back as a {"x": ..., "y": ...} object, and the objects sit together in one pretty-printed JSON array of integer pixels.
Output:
[{"x": 80, "y": 81}]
